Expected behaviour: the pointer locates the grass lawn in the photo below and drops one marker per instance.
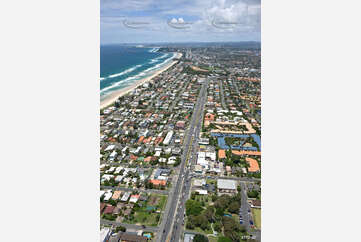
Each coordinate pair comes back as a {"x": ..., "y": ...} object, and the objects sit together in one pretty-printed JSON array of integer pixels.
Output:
[
  {"x": 157, "y": 201},
  {"x": 205, "y": 232},
  {"x": 211, "y": 181},
  {"x": 257, "y": 217},
  {"x": 162, "y": 201},
  {"x": 145, "y": 218},
  {"x": 212, "y": 239},
  {"x": 235, "y": 217},
  {"x": 198, "y": 229},
  {"x": 207, "y": 199}
]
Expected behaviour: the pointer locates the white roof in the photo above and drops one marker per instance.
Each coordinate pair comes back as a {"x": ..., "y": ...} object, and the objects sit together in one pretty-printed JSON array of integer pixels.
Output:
[
  {"x": 108, "y": 195},
  {"x": 119, "y": 178},
  {"x": 133, "y": 199},
  {"x": 104, "y": 232},
  {"x": 113, "y": 154},
  {"x": 201, "y": 154},
  {"x": 202, "y": 192},
  {"x": 202, "y": 161},
  {"x": 211, "y": 155},
  {"x": 102, "y": 193},
  {"x": 199, "y": 182},
  {"x": 226, "y": 184},
  {"x": 170, "y": 161},
  {"x": 125, "y": 196},
  {"x": 110, "y": 147}
]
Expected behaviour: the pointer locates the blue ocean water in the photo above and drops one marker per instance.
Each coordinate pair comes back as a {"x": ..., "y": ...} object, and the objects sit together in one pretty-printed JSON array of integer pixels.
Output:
[{"x": 120, "y": 66}]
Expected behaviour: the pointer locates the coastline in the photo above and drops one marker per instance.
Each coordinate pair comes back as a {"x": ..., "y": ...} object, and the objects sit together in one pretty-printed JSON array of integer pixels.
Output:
[{"x": 111, "y": 98}]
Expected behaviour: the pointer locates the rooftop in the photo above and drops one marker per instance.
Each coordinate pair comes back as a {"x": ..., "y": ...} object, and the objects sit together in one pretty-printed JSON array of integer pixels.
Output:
[{"x": 226, "y": 184}]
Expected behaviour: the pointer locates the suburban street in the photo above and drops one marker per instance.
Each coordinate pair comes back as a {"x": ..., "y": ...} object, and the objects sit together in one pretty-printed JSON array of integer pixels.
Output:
[
  {"x": 129, "y": 226},
  {"x": 164, "y": 192}
]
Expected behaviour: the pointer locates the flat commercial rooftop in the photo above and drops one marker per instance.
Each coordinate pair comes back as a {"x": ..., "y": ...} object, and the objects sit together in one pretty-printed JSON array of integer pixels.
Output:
[{"x": 226, "y": 184}]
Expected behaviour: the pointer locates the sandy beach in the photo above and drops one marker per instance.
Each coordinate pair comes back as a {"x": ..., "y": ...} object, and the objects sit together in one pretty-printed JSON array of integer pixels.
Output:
[{"x": 111, "y": 98}]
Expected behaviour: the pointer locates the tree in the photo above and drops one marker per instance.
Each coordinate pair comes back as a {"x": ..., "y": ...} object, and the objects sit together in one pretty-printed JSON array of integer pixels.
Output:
[
  {"x": 217, "y": 227},
  {"x": 252, "y": 194},
  {"x": 209, "y": 214},
  {"x": 201, "y": 221},
  {"x": 222, "y": 202},
  {"x": 234, "y": 207},
  {"x": 190, "y": 224},
  {"x": 193, "y": 207},
  {"x": 231, "y": 228},
  {"x": 112, "y": 202},
  {"x": 219, "y": 212},
  {"x": 200, "y": 238},
  {"x": 120, "y": 228}
]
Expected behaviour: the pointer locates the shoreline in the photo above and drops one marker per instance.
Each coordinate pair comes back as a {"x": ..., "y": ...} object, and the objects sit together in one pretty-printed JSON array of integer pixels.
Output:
[{"x": 111, "y": 98}]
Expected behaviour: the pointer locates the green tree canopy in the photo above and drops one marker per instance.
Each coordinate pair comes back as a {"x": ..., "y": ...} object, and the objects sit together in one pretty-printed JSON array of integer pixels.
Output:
[
  {"x": 193, "y": 207},
  {"x": 200, "y": 238}
]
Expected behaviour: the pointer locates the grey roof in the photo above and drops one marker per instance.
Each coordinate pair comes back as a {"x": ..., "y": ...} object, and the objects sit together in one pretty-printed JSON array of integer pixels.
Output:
[
  {"x": 226, "y": 184},
  {"x": 188, "y": 237}
]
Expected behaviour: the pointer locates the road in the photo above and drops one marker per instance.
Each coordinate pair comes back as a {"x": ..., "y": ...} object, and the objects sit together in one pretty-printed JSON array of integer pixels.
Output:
[
  {"x": 178, "y": 227},
  {"x": 135, "y": 189},
  {"x": 165, "y": 233},
  {"x": 130, "y": 226},
  {"x": 246, "y": 211},
  {"x": 222, "y": 94},
  {"x": 244, "y": 179}
]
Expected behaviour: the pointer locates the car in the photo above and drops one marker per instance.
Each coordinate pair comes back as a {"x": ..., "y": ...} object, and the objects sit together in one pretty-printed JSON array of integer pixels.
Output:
[
  {"x": 241, "y": 222},
  {"x": 251, "y": 222}
]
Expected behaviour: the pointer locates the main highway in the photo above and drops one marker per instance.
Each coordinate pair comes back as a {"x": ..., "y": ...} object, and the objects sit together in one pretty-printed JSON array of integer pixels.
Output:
[
  {"x": 170, "y": 228},
  {"x": 178, "y": 226}
]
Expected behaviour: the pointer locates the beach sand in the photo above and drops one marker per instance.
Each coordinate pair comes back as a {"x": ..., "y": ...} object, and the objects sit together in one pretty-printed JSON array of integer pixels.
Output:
[{"x": 111, "y": 98}]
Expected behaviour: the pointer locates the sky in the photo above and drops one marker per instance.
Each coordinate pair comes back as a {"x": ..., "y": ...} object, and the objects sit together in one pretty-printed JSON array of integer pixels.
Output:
[{"x": 154, "y": 21}]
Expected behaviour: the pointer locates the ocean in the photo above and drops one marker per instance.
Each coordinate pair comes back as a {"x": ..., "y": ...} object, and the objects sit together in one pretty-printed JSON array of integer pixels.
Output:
[{"x": 121, "y": 66}]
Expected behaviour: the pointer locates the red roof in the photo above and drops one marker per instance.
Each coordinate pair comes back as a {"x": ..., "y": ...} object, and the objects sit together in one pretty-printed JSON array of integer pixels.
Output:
[
  {"x": 158, "y": 182},
  {"x": 109, "y": 210},
  {"x": 253, "y": 165},
  {"x": 102, "y": 206}
]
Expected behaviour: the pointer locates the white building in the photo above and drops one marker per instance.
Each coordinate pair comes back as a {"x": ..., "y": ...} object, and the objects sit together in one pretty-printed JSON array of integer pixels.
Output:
[
  {"x": 108, "y": 195},
  {"x": 125, "y": 197},
  {"x": 110, "y": 147},
  {"x": 226, "y": 186},
  {"x": 202, "y": 192},
  {"x": 104, "y": 234},
  {"x": 168, "y": 137}
]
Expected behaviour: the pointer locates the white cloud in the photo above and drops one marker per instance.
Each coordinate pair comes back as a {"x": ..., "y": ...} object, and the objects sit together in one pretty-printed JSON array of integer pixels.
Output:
[{"x": 200, "y": 13}]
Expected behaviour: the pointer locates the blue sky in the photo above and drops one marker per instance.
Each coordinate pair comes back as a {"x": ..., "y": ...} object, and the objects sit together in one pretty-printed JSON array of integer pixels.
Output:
[{"x": 149, "y": 21}]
